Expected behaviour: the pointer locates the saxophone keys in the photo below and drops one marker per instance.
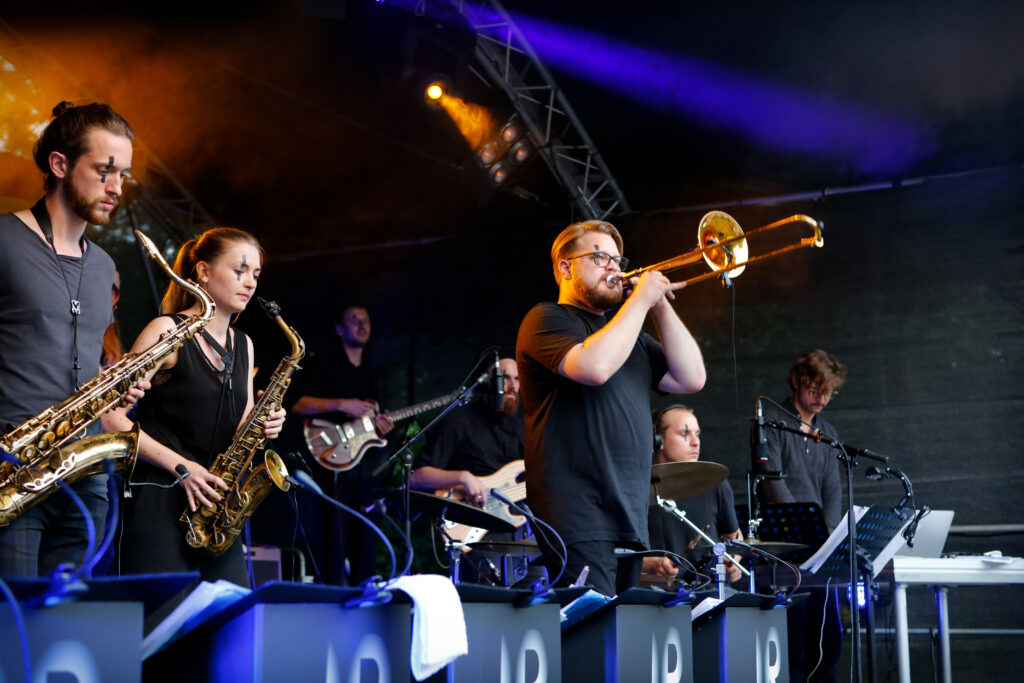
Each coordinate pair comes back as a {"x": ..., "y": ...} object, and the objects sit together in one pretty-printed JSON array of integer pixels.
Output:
[
  {"x": 63, "y": 428},
  {"x": 46, "y": 440}
]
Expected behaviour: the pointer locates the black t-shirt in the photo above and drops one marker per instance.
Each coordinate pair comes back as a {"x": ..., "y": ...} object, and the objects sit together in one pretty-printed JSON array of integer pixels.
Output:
[
  {"x": 330, "y": 374},
  {"x": 327, "y": 373},
  {"x": 713, "y": 511},
  {"x": 588, "y": 449},
  {"x": 36, "y": 332},
  {"x": 474, "y": 438}
]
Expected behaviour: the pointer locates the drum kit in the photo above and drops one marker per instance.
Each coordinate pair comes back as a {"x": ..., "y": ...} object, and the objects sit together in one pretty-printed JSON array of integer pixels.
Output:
[
  {"x": 669, "y": 482},
  {"x": 447, "y": 511},
  {"x": 674, "y": 481}
]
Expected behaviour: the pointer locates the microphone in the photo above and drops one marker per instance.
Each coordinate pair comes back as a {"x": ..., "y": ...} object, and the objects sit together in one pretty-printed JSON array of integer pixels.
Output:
[
  {"x": 758, "y": 439},
  {"x": 304, "y": 481},
  {"x": 875, "y": 474},
  {"x": 183, "y": 474},
  {"x": 878, "y": 474},
  {"x": 497, "y": 385}
]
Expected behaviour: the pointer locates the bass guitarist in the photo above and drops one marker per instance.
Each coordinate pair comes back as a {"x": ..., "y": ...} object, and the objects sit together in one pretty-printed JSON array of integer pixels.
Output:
[
  {"x": 474, "y": 442},
  {"x": 339, "y": 386}
]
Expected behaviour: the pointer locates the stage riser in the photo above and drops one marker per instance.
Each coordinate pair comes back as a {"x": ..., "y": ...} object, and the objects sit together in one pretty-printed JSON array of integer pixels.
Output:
[
  {"x": 303, "y": 641},
  {"x": 87, "y": 642},
  {"x": 742, "y": 644}
]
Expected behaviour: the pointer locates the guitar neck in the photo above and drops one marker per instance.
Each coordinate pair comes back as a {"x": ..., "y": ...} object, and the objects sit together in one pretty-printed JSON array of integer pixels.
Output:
[{"x": 411, "y": 411}]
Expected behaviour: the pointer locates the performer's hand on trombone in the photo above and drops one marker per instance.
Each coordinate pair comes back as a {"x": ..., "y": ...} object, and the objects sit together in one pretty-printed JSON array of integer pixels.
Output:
[{"x": 653, "y": 287}]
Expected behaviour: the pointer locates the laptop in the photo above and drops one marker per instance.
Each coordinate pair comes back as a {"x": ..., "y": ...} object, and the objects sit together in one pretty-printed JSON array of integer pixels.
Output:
[{"x": 931, "y": 534}]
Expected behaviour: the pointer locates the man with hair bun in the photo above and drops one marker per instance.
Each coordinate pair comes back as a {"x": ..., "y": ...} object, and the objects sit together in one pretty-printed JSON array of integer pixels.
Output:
[{"x": 55, "y": 305}]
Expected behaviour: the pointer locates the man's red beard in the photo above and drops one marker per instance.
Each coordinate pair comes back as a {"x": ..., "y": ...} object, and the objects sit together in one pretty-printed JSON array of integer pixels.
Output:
[
  {"x": 600, "y": 296},
  {"x": 88, "y": 211},
  {"x": 510, "y": 404}
]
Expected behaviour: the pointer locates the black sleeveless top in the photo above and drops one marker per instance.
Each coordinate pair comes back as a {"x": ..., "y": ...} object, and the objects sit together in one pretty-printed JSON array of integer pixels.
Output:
[{"x": 180, "y": 409}]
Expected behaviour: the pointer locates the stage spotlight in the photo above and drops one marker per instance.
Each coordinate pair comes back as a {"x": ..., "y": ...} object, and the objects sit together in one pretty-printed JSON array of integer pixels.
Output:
[
  {"x": 434, "y": 92},
  {"x": 489, "y": 153},
  {"x": 510, "y": 133},
  {"x": 498, "y": 173},
  {"x": 521, "y": 151}
]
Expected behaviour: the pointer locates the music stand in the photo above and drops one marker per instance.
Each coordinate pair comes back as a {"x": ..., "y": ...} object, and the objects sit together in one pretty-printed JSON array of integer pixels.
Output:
[
  {"x": 801, "y": 523},
  {"x": 876, "y": 529},
  {"x": 877, "y": 534}
]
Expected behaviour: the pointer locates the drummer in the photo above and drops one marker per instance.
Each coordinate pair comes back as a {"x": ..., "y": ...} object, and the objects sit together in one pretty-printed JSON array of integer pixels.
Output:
[{"x": 677, "y": 439}]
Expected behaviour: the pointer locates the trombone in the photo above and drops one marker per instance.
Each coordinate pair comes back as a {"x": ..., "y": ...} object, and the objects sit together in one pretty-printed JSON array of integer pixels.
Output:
[{"x": 723, "y": 245}]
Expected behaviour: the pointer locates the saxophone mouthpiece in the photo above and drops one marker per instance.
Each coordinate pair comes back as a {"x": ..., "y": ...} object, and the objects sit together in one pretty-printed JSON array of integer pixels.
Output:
[{"x": 269, "y": 307}]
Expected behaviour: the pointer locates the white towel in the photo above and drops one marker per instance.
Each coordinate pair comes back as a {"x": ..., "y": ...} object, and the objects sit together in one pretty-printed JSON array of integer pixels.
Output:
[{"x": 438, "y": 625}]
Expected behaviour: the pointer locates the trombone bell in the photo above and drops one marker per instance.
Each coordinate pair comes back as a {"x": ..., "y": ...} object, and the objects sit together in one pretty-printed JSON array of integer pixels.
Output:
[{"x": 721, "y": 242}]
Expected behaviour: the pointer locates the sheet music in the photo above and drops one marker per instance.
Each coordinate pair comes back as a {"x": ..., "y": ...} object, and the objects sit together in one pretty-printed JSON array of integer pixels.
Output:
[
  {"x": 814, "y": 562},
  {"x": 203, "y": 602}
]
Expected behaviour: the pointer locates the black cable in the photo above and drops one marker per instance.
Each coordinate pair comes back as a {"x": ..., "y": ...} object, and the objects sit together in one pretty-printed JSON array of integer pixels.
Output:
[
  {"x": 408, "y": 542},
  {"x": 735, "y": 362},
  {"x": 305, "y": 539}
]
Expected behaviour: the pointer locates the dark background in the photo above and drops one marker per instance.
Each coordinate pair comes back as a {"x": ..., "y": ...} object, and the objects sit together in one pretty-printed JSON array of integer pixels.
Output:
[{"x": 305, "y": 124}]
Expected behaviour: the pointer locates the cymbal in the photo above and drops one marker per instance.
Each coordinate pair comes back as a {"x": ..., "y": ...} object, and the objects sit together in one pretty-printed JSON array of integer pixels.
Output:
[
  {"x": 451, "y": 510},
  {"x": 680, "y": 480},
  {"x": 773, "y": 547},
  {"x": 529, "y": 548}
]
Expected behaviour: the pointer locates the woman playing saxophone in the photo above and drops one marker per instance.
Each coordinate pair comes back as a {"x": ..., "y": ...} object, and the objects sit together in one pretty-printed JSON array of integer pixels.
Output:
[{"x": 200, "y": 394}]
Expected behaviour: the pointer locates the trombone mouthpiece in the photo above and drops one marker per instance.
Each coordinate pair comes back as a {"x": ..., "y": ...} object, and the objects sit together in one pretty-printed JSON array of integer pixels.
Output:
[{"x": 613, "y": 280}]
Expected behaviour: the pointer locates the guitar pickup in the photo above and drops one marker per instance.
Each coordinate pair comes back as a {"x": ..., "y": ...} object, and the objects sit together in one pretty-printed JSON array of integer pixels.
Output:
[
  {"x": 367, "y": 425},
  {"x": 350, "y": 432}
]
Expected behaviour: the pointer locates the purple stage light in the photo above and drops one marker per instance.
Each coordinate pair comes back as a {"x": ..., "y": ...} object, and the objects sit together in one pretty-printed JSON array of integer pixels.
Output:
[{"x": 768, "y": 114}]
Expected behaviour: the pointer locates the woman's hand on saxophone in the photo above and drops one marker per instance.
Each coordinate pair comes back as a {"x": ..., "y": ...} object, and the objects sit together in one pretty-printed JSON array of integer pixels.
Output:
[
  {"x": 275, "y": 421},
  {"x": 135, "y": 393},
  {"x": 199, "y": 485}
]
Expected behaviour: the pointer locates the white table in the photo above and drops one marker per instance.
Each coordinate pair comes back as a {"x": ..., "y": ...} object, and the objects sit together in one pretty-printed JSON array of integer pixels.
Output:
[{"x": 941, "y": 573}]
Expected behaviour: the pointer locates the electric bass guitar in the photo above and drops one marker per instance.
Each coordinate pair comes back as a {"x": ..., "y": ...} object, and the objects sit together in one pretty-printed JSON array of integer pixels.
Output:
[
  {"x": 505, "y": 480},
  {"x": 340, "y": 447}
]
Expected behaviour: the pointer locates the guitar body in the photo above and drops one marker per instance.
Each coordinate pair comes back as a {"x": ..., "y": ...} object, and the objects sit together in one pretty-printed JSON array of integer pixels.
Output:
[
  {"x": 503, "y": 480},
  {"x": 340, "y": 446}
]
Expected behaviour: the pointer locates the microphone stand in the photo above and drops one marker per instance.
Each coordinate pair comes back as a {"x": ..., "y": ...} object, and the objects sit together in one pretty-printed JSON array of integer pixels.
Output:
[
  {"x": 672, "y": 508},
  {"x": 405, "y": 450},
  {"x": 849, "y": 462}
]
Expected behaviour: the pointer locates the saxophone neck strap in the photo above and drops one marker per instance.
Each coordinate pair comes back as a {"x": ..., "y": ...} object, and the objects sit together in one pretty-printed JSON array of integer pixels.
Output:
[{"x": 225, "y": 353}]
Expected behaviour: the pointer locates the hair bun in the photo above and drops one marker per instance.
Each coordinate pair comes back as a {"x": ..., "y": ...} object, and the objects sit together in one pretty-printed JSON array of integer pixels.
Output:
[{"x": 62, "y": 108}]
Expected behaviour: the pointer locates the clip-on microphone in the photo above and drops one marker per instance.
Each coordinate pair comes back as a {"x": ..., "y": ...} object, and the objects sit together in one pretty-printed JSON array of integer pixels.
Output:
[{"x": 183, "y": 474}]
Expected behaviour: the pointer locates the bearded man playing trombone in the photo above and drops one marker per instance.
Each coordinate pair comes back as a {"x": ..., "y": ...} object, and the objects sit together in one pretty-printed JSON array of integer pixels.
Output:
[{"x": 585, "y": 383}]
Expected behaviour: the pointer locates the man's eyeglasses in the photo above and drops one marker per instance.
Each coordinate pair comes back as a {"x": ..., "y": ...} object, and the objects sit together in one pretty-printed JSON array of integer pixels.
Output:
[
  {"x": 601, "y": 259},
  {"x": 824, "y": 393}
]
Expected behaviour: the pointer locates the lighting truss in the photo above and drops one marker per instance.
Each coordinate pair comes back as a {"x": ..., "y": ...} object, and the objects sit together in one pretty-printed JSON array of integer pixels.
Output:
[{"x": 510, "y": 63}]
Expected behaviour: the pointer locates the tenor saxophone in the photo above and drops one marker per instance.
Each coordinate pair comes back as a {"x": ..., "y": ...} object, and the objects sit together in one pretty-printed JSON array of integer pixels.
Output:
[
  {"x": 39, "y": 452},
  {"x": 214, "y": 530}
]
